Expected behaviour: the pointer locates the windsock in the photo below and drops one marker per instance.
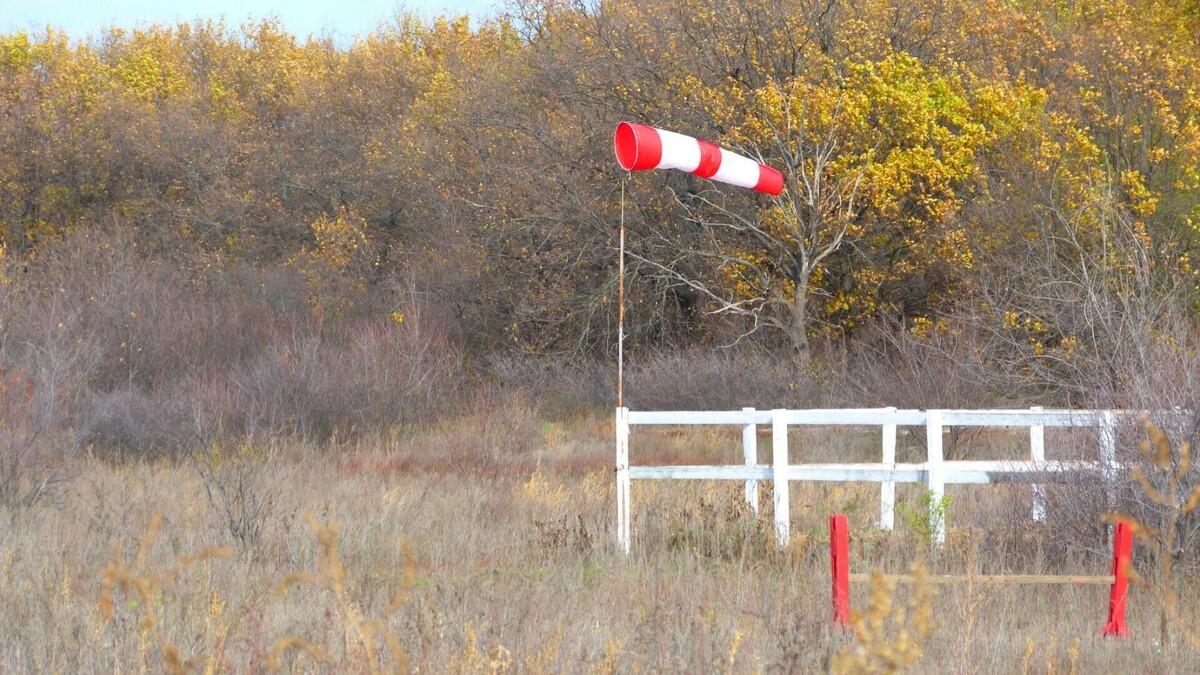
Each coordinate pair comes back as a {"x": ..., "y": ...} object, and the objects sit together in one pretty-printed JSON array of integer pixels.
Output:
[{"x": 640, "y": 147}]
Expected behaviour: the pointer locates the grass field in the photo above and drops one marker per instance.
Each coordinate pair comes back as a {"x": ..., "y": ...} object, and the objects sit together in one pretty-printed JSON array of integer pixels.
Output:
[{"x": 486, "y": 545}]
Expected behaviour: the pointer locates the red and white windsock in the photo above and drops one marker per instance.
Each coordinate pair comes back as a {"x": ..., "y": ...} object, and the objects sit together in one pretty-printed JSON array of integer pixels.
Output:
[{"x": 640, "y": 147}]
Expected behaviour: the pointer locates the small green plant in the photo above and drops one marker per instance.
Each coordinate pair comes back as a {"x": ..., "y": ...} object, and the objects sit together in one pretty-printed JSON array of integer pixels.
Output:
[{"x": 925, "y": 520}]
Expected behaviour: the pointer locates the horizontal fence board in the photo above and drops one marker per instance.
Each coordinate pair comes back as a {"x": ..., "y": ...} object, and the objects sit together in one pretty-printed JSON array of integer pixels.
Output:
[
  {"x": 1021, "y": 418},
  {"x": 1019, "y": 466},
  {"x": 876, "y": 417},
  {"x": 1008, "y": 471},
  {"x": 957, "y": 472},
  {"x": 729, "y": 472},
  {"x": 871, "y": 473},
  {"x": 871, "y": 417},
  {"x": 992, "y": 579},
  {"x": 698, "y": 417}
]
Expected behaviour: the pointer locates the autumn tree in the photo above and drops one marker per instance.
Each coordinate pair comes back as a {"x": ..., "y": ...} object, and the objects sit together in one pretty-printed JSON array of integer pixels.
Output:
[{"x": 877, "y": 162}]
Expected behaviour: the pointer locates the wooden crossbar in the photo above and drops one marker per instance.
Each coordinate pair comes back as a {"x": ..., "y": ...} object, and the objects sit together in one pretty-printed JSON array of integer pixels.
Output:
[{"x": 991, "y": 579}]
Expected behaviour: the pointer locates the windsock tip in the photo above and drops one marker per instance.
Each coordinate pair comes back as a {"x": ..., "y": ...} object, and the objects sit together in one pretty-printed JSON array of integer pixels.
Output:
[{"x": 770, "y": 180}]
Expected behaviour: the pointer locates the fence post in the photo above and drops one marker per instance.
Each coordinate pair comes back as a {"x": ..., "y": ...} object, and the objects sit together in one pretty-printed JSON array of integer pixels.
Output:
[
  {"x": 887, "y": 488},
  {"x": 934, "y": 476},
  {"x": 750, "y": 453},
  {"x": 779, "y": 473},
  {"x": 1122, "y": 552},
  {"x": 1037, "y": 452},
  {"x": 623, "y": 496},
  {"x": 1108, "y": 456},
  {"x": 839, "y": 560}
]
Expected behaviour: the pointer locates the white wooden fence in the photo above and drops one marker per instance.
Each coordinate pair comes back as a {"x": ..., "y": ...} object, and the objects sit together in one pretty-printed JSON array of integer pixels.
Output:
[{"x": 936, "y": 472}]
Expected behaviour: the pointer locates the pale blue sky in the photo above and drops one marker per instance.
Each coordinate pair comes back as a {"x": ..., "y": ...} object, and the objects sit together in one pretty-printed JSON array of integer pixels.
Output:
[{"x": 301, "y": 17}]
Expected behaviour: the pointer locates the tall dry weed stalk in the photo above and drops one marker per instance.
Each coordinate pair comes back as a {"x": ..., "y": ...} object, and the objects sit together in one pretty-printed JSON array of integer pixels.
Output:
[
  {"x": 371, "y": 633},
  {"x": 147, "y": 586},
  {"x": 1171, "y": 487},
  {"x": 889, "y": 638}
]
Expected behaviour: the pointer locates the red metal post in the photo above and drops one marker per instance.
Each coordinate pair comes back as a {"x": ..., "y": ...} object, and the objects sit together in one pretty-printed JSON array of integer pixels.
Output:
[
  {"x": 1122, "y": 551},
  {"x": 839, "y": 558}
]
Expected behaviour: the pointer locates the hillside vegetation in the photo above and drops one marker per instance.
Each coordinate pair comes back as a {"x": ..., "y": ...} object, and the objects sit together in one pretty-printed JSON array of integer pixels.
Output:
[{"x": 1018, "y": 181}]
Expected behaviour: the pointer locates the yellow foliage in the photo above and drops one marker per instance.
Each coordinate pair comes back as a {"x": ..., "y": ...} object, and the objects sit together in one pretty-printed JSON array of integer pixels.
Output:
[
  {"x": 147, "y": 67},
  {"x": 342, "y": 257},
  {"x": 889, "y": 638},
  {"x": 342, "y": 242},
  {"x": 16, "y": 51},
  {"x": 906, "y": 140}
]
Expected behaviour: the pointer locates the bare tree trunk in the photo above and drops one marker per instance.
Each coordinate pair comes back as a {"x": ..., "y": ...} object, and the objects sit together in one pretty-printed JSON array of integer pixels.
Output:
[{"x": 798, "y": 327}]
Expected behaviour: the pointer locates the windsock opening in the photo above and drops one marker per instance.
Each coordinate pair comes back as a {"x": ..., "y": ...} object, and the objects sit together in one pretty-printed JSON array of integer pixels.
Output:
[{"x": 638, "y": 146}]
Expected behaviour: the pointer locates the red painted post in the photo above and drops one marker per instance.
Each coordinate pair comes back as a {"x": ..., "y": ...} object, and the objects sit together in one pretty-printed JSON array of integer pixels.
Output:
[
  {"x": 1122, "y": 551},
  {"x": 839, "y": 558}
]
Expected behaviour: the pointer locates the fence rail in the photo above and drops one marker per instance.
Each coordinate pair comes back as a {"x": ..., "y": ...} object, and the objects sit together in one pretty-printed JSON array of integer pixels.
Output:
[{"x": 935, "y": 472}]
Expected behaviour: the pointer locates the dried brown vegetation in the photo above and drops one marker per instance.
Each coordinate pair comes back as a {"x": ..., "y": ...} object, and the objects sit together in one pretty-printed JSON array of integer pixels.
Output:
[{"x": 445, "y": 569}]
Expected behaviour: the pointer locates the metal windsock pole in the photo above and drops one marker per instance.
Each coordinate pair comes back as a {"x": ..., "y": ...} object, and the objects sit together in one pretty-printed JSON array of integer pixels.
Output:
[
  {"x": 621, "y": 305},
  {"x": 638, "y": 148}
]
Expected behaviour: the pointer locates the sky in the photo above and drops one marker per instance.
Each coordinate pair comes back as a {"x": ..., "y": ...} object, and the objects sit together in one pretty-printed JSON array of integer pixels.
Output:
[{"x": 344, "y": 19}]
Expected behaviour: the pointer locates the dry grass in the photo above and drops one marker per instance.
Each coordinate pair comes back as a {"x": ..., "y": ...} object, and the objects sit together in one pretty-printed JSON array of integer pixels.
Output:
[
  {"x": 1171, "y": 488},
  {"x": 889, "y": 637},
  {"x": 146, "y": 588},
  {"x": 509, "y": 566}
]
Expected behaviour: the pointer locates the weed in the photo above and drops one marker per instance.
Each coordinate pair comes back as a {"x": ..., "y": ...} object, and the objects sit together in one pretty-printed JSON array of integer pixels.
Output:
[
  {"x": 147, "y": 587},
  {"x": 471, "y": 659},
  {"x": 238, "y": 488},
  {"x": 889, "y": 638},
  {"x": 370, "y": 633},
  {"x": 723, "y": 527},
  {"x": 562, "y": 533}
]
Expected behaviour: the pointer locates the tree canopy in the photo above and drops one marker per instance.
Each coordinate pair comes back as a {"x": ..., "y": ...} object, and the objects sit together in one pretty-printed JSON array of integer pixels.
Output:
[{"x": 930, "y": 149}]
